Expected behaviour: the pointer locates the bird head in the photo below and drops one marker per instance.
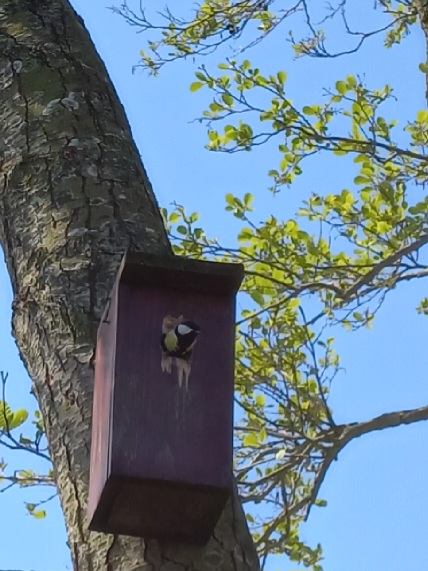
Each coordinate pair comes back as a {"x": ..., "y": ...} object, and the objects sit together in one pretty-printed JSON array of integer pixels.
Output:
[{"x": 185, "y": 327}]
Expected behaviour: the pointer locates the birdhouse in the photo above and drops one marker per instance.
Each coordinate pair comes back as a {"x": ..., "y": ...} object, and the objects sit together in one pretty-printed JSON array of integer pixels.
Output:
[{"x": 161, "y": 455}]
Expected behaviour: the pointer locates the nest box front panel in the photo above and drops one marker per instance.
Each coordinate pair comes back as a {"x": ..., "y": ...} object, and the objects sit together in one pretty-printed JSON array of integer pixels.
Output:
[{"x": 161, "y": 431}]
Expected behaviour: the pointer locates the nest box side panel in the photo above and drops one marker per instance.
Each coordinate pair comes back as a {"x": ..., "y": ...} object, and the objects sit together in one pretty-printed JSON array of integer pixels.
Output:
[
  {"x": 101, "y": 417},
  {"x": 162, "y": 432}
]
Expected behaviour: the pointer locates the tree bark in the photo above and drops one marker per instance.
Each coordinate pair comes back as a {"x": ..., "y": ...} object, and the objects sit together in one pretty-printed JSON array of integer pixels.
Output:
[{"x": 73, "y": 197}]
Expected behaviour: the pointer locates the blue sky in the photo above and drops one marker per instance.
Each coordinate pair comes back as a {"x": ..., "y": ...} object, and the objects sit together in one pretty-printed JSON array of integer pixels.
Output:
[{"x": 376, "y": 517}]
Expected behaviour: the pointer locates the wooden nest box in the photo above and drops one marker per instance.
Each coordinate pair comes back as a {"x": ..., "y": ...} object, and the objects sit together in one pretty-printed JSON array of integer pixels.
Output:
[{"x": 161, "y": 455}]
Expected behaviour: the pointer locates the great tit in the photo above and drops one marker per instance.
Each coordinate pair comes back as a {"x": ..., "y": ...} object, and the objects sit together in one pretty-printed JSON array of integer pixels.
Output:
[{"x": 179, "y": 336}]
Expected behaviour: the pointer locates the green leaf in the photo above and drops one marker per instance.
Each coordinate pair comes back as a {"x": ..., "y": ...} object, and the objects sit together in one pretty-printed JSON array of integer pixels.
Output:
[
  {"x": 341, "y": 87},
  {"x": 248, "y": 199},
  {"x": 308, "y": 110},
  {"x": 320, "y": 503},
  {"x": 422, "y": 116},
  {"x": 18, "y": 418},
  {"x": 382, "y": 227},
  {"x": 5, "y": 415},
  {"x": 251, "y": 439},
  {"x": 257, "y": 297},
  {"x": 423, "y": 307},
  {"x": 351, "y": 80},
  {"x": 245, "y": 235},
  {"x": 196, "y": 85},
  {"x": 227, "y": 99},
  {"x": 182, "y": 230},
  {"x": 282, "y": 77},
  {"x": 215, "y": 107},
  {"x": 173, "y": 217},
  {"x": 230, "y": 199},
  {"x": 361, "y": 180}
]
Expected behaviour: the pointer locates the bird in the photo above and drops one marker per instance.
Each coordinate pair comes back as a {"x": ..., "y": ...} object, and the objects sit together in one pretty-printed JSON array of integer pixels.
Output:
[{"x": 178, "y": 339}]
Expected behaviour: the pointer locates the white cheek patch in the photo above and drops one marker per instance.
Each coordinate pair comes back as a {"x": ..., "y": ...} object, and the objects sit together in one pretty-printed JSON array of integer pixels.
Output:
[{"x": 183, "y": 329}]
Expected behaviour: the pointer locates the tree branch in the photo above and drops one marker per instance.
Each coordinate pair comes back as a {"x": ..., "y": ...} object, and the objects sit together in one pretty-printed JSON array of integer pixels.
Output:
[
  {"x": 354, "y": 430},
  {"x": 390, "y": 260}
]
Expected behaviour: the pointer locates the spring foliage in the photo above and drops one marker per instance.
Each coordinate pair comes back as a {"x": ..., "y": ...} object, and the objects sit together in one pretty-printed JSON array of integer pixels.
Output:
[{"x": 328, "y": 266}]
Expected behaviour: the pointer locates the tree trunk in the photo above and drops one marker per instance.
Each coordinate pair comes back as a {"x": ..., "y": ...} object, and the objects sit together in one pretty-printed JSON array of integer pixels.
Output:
[{"x": 73, "y": 197}]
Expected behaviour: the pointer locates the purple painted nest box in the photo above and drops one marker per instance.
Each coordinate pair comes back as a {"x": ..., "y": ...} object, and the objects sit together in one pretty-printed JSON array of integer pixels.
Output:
[{"x": 161, "y": 456}]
